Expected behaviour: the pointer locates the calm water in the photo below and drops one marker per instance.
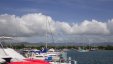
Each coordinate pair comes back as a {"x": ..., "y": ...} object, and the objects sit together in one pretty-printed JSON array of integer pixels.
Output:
[{"x": 92, "y": 57}]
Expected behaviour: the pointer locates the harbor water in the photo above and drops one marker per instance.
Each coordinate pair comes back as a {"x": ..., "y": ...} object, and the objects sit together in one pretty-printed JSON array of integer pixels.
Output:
[{"x": 92, "y": 57}]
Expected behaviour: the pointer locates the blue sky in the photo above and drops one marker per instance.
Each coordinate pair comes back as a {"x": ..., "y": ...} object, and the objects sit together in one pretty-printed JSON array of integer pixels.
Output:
[
  {"x": 86, "y": 19},
  {"x": 61, "y": 10}
]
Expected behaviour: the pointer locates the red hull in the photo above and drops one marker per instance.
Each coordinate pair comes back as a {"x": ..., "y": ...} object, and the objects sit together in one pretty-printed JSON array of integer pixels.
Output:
[{"x": 31, "y": 61}]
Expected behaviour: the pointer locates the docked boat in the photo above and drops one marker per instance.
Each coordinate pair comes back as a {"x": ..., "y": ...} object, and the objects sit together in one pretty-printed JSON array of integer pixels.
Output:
[
  {"x": 51, "y": 56},
  {"x": 10, "y": 56}
]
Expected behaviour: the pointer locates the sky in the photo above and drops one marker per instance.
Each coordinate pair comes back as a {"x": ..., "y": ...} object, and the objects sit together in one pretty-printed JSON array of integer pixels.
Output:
[{"x": 68, "y": 20}]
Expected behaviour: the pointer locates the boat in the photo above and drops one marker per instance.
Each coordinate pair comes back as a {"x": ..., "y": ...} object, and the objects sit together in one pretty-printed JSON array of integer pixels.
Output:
[
  {"x": 10, "y": 56},
  {"x": 82, "y": 50},
  {"x": 52, "y": 56}
]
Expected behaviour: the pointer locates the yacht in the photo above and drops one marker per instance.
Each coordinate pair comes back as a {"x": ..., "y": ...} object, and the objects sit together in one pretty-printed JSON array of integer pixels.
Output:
[{"x": 10, "y": 56}]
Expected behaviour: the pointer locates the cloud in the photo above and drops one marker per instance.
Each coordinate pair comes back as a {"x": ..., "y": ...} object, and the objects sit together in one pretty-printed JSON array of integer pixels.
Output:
[
  {"x": 26, "y": 25},
  {"x": 91, "y": 27},
  {"x": 86, "y": 27},
  {"x": 37, "y": 24},
  {"x": 110, "y": 26}
]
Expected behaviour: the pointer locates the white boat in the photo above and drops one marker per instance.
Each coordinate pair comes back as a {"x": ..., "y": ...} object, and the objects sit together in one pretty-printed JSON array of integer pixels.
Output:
[
  {"x": 10, "y": 56},
  {"x": 82, "y": 50}
]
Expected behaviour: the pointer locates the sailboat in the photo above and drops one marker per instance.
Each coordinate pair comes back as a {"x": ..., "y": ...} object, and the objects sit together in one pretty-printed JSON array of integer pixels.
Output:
[{"x": 51, "y": 55}]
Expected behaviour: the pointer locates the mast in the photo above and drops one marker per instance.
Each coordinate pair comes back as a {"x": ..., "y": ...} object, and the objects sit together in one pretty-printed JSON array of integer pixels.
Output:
[
  {"x": 46, "y": 31},
  {"x": 46, "y": 35}
]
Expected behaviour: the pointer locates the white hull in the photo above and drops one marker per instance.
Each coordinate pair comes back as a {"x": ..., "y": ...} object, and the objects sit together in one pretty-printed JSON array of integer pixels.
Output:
[{"x": 83, "y": 50}]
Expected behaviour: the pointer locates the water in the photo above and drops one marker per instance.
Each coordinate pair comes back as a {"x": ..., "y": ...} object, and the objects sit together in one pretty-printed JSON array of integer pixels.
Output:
[{"x": 92, "y": 57}]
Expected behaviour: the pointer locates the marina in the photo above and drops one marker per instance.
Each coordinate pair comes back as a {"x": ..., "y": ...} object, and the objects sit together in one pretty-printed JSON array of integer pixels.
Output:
[{"x": 56, "y": 31}]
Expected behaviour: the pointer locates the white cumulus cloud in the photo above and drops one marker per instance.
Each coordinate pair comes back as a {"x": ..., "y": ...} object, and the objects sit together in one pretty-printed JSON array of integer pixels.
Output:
[
  {"x": 36, "y": 24},
  {"x": 90, "y": 27}
]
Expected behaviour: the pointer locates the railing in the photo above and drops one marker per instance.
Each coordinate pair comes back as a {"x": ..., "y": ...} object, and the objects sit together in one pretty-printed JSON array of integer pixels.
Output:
[
  {"x": 72, "y": 61},
  {"x": 68, "y": 61}
]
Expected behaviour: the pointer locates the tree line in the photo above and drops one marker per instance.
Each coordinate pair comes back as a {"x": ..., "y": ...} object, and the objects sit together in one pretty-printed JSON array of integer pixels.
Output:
[{"x": 108, "y": 47}]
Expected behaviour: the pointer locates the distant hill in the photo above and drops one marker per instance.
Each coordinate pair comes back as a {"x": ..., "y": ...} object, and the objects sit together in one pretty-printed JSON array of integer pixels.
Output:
[{"x": 65, "y": 44}]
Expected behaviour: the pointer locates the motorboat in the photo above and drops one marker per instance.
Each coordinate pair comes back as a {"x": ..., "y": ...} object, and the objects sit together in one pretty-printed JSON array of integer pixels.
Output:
[
  {"x": 10, "y": 56},
  {"x": 82, "y": 50}
]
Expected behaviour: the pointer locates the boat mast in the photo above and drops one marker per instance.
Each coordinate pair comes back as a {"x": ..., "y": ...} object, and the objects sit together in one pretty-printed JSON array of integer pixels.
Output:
[{"x": 46, "y": 31}]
